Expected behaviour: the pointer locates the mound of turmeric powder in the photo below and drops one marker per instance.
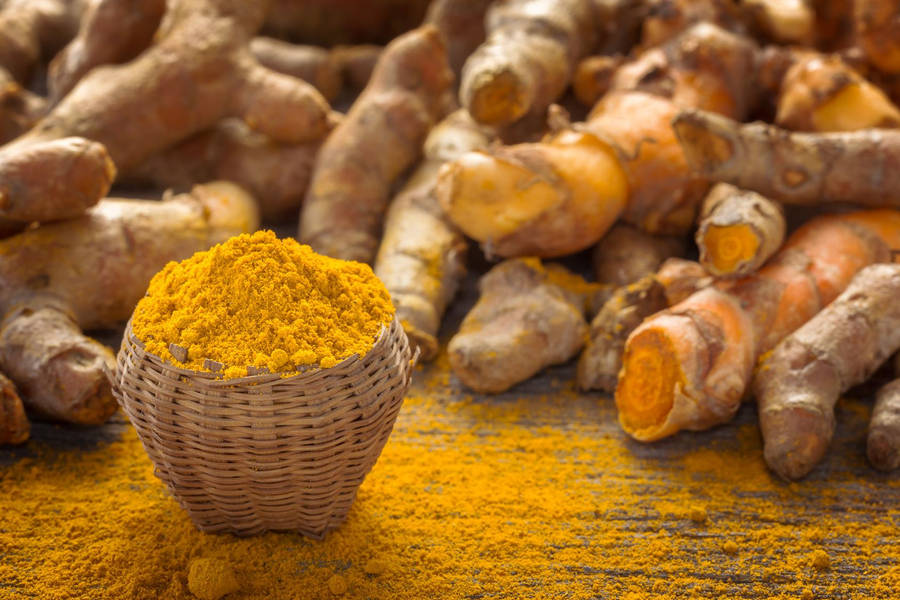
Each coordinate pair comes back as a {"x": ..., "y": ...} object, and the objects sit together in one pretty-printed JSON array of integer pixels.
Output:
[{"x": 257, "y": 300}]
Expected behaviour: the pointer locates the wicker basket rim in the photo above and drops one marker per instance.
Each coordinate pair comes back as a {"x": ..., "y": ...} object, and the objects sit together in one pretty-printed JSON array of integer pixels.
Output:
[{"x": 215, "y": 378}]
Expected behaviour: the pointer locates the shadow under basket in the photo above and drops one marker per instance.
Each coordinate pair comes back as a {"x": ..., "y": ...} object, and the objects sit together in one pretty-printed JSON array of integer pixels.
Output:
[{"x": 265, "y": 452}]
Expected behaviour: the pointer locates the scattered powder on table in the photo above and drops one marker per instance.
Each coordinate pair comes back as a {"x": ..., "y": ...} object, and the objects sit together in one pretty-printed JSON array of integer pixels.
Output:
[
  {"x": 256, "y": 300},
  {"x": 513, "y": 497}
]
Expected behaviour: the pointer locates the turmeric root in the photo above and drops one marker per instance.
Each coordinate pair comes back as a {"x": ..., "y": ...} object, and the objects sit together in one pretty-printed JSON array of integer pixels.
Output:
[
  {"x": 528, "y": 317},
  {"x": 601, "y": 359},
  {"x": 381, "y": 136},
  {"x": 89, "y": 273},
  {"x": 422, "y": 256},
  {"x": 689, "y": 366},
  {"x": 34, "y": 29},
  {"x": 859, "y": 167},
  {"x": 738, "y": 231},
  {"x": 798, "y": 383},
  {"x": 823, "y": 93},
  {"x": 110, "y": 32},
  {"x": 357, "y": 64},
  {"x": 19, "y": 108},
  {"x": 593, "y": 77},
  {"x": 14, "y": 425},
  {"x": 562, "y": 195},
  {"x": 883, "y": 443},
  {"x": 783, "y": 21},
  {"x": 668, "y": 18},
  {"x": 312, "y": 64},
  {"x": 461, "y": 23},
  {"x": 526, "y": 62},
  {"x": 877, "y": 25},
  {"x": 54, "y": 179},
  {"x": 626, "y": 254},
  {"x": 179, "y": 87},
  {"x": 234, "y": 152}
]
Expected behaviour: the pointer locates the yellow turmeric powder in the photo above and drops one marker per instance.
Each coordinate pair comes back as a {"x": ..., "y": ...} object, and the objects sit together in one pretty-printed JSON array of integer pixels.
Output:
[
  {"x": 256, "y": 300},
  {"x": 538, "y": 496}
]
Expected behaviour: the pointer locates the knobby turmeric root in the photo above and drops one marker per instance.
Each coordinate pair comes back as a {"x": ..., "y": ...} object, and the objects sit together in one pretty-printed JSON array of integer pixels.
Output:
[
  {"x": 859, "y": 167},
  {"x": 798, "y": 383},
  {"x": 823, "y": 93},
  {"x": 234, "y": 152},
  {"x": 313, "y": 64},
  {"x": 877, "y": 27},
  {"x": 199, "y": 72},
  {"x": 783, "y": 21},
  {"x": 560, "y": 196},
  {"x": 19, "y": 108},
  {"x": 87, "y": 273},
  {"x": 666, "y": 19},
  {"x": 626, "y": 254},
  {"x": 14, "y": 425},
  {"x": 380, "y": 138},
  {"x": 688, "y": 367},
  {"x": 737, "y": 231},
  {"x": 110, "y": 32},
  {"x": 526, "y": 62},
  {"x": 883, "y": 443},
  {"x": 422, "y": 256},
  {"x": 461, "y": 23},
  {"x": 54, "y": 179},
  {"x": 601, "y": 359},
  {"x": 528, "y": 317},
  {"x": 594, "y": 77},
  {"x": 34, "y": 29}
]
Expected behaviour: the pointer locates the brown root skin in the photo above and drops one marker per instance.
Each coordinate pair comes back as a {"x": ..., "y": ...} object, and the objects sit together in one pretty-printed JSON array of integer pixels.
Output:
[
  {"x": 823, "y": 93},
  {"x": 877, "y": 24},
  {"x": 312, "y": 64},
  {"x": 799, "y": 382},
  {"x": 14, "y": 425},
  {"x": 61, "y": 372},
  {"x": 34, "y": 29},
  {"x": 738, "y": 231},
  {"x": 704, "y": 67},
  {"x": 689, "y": 367},
  {"x": 19, "y": 108},
  {"x": 601, "y": 359},
  {"x": 140, "y": 108},
  {"x": 858, "y": 167},
  {"x": 521, "y": 324},
  {"x": 53, "y": 180},
  {"x": 526, "y": 62},
  {"x": 111, "y": 32},
  {"x": 421, "y": 259},
  {"x": 667, "y": 18},
  {"x": 883, "y": 443},
  {"x": 380, "y": 138},
  {"x": 626, "y": 254},
  {"x": 681, "y": 278},
  {"x": 232, "y": 151},
  {"x": 594, "y": 76},
  {"x": 548, "y": 199},
  {"x": 118, "y": 245},
  {"x": 357, "y": 64},
  {"x": 461, "y": 23}
]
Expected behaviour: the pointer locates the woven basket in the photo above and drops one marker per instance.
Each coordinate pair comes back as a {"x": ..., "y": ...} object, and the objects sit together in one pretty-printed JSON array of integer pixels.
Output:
[{"x": 265, "y": 452}]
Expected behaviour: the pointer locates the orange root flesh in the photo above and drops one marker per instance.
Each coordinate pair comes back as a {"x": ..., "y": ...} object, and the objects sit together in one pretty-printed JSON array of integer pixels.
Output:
[
  {"x": 728, "y": 247},
  {"x": 646, "y": 395}
]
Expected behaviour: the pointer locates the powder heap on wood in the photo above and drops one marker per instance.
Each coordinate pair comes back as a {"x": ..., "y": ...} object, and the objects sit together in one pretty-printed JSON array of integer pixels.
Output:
[{"x": 256, "y": 300}]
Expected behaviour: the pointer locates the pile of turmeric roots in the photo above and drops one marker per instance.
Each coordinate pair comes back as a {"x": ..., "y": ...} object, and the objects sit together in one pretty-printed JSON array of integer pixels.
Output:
[{"x": 758, "y": 136}]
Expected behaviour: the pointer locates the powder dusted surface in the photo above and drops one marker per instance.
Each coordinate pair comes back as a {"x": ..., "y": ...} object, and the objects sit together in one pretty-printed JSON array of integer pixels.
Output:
[
  {"x": 529, "y": 494},
  {"x": 260, "y": 301}
]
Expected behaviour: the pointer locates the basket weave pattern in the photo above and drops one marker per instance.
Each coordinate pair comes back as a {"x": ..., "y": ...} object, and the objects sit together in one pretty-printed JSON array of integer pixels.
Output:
[{"x": 265, "y": 452}]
